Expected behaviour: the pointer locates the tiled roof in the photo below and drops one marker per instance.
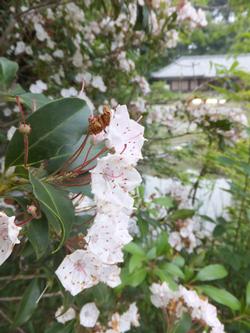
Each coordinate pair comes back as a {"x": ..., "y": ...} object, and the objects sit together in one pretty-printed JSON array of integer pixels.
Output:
[{"x": 201, "y": 66}]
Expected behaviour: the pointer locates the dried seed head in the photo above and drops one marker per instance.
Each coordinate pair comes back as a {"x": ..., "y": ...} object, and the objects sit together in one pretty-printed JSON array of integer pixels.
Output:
[{"x": 24, "y": 129}]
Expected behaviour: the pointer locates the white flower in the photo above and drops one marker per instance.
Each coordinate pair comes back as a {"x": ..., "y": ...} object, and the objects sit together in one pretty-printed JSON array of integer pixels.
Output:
[
  {"x": 122, "y": 323},
  {"x": 162, "y": 294},
  {"x": 143, "y": 84},
  {"x": 8, "y": 236},
  {"x": 63, "y": 317},
  {"x": 58, "y": 54},
  {"x": 125, "y": 64},
  {"x": 125, "y": 135},
  {"x": 38, "y": 87},
  {"x": 41, "y": 34},
  {"x": 69, "y": 92},
  {"x": 131, "y": 316},
  {"x": 107, "y": 236},
  {"x": 82, "y": 269},
  {"x": 78, "y": 271},
  {"x": 112, "y": 180},
  {"x": 89, "y": 314},
  {"x": 97, "y": 82},
  {"x": 175, "y": 240},
  {"x": 84, "y": 77},
  {"x": 20, "y": 47},
  {"x": 11, "y": 132}
]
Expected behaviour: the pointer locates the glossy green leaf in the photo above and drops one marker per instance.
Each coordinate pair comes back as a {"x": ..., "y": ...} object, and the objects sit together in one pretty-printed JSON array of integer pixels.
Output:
[
  {"x": 137, "y": 277},
  {"x": 211, "y": 272},
  {"x": 56, "y": 205},
  {"x": 165, "y": 277},
  {"x": 173, "y": 270},
  {"x": 133, "y": 248},
  {"x": 152, "y": 253},
  {"x": 166, "y": 202},
  {"x": 161, "y": 243},
  {"x": 8, "y": 70},
  {"x": 182, "y": 214},
  {"x": 38, "y": 234},
  {"x": 221, "y": 296},
  {"x": 28, "y": 303},
  {"x": 57, "y": 125},
  {"x": 135, "y": 262}
]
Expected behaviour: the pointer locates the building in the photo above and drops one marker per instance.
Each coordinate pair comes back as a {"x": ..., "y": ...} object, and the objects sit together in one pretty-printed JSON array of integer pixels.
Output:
[{"x": 190, "y": 72}]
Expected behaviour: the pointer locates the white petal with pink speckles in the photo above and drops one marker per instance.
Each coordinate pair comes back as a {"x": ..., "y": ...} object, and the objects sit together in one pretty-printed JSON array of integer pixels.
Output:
[
  {"x": 8, "y": 236},
  {"x": 112, "y": 180}
]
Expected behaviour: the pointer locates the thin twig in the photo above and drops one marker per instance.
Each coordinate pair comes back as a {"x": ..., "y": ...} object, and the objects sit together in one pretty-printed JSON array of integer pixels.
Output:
[
  {"x": 21, "y": 277},
  {"x": 18, "y": 298},
  {"x": 10, "y": 321}
]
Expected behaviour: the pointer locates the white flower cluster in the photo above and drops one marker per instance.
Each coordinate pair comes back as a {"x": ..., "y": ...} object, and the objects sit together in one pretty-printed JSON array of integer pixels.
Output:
[
  {"x": 186, "y": 301},
  {"x": 8, "y": 236},
  {"x": 122, "y": 323},
  {"x": 228, "y": 122},
  {"x": 107, "y": 39},
  {"x": 142, "y": 83},
  {"x": 165, "y": 115},
  {"x": 195, "y": 18},
  {"x": 113, "y": 178},
  {"x": 89, "y": 314},
  {"x": 184, "y": 236}
]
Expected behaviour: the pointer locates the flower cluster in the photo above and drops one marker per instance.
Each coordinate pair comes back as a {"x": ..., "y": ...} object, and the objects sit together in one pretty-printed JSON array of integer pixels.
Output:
[
  {"x": 186, "y": 301},
  {"x": 89, "y": 315},
  {"x": 98, "y": 43},
  {"x": 184, "y": 236},
  {"x": 226, "y": 122},
  {"x": 113, "y": 178},
  {"x": 8, "y": 236}
]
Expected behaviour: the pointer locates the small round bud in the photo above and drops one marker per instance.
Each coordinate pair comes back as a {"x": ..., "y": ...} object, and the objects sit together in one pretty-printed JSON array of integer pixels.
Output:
[
  {"x": 32, "y": 210},
  {"x": 24, "y": 129}
]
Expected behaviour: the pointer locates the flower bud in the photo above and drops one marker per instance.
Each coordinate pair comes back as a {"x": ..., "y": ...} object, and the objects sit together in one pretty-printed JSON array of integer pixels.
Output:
[
  {"x": 32, "y": 210},
  {"x": 24, "y": 129}
]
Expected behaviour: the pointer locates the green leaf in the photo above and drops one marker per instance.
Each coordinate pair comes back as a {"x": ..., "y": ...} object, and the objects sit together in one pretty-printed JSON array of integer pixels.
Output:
[
  {"x": 211, "y": 272},
  {"x": 28, "y": 303},
  {"x": 166, "y": 202},
  {"x": 221, "y": 296},
  {"x": 60, "y": 328},
  {"x": 184, "y": 325},
  {"x": 57, "y": 125},
  {"x": 8, "y": 70},
  {"x": 173, "y": 270},
  {"x": 136, "y": 278},
  {"x": 38, "y": 234},
  {"x": 161, "y": 243},
  {"x": 151, "y": 254},
  {"x": 135, "y": 262},
  {"x": 55, "y": 204},
  {"x": 182, "y": 214},
  {"x": 134, "y": 248},
  {"x": 31, "y": 100},
  {"x": 165, "y": 277},
  {"x": 248, "y": 294}
]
